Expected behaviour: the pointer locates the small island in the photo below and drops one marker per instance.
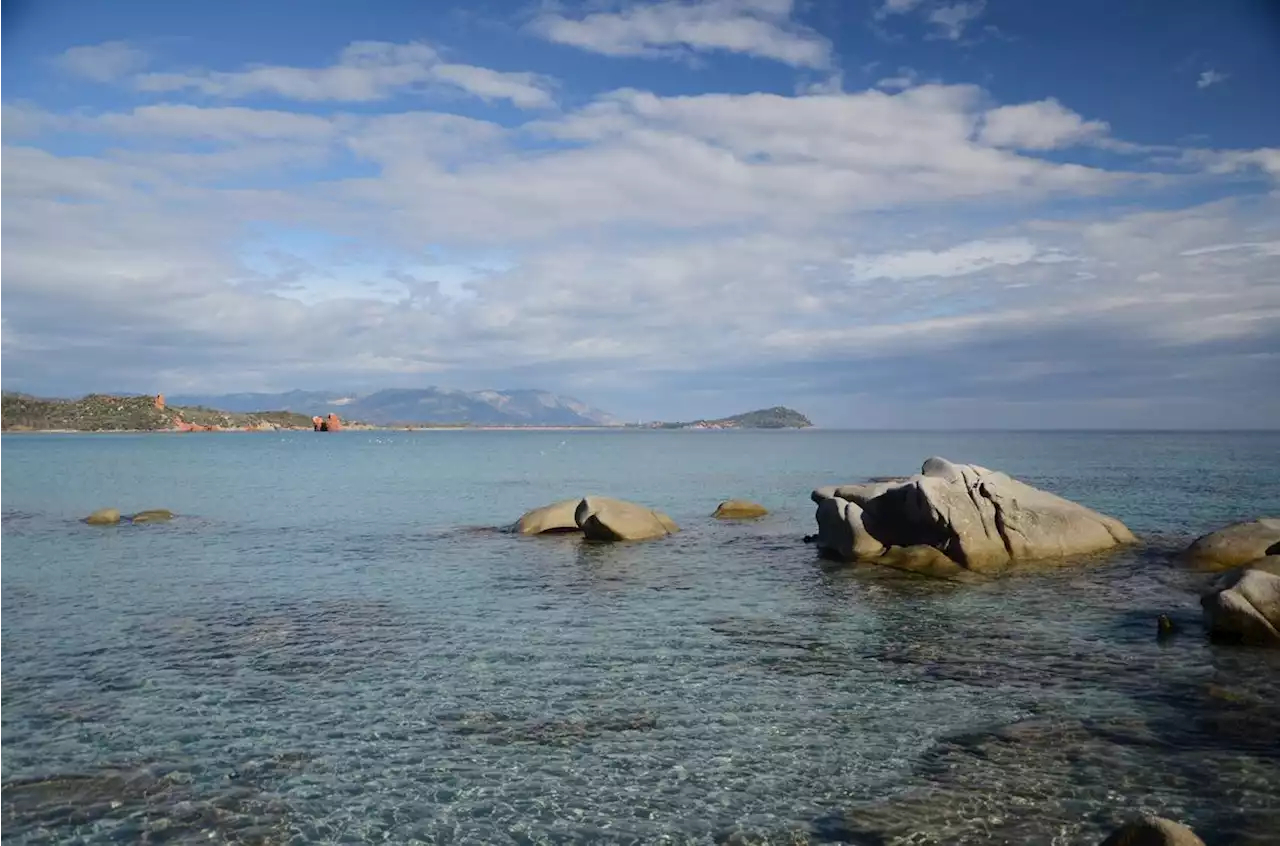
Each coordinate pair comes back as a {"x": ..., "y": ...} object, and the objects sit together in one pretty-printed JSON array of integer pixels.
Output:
[{"x": 778, "y": 417}]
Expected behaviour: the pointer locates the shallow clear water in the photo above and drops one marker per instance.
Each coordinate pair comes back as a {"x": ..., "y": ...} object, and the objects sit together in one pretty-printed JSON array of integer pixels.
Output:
[{"x": 332, "y": 645}]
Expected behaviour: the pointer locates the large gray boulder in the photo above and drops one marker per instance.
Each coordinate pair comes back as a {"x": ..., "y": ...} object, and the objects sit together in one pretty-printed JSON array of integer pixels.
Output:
[
  {"x": 1153, "y": 831},
  {"x": 841, "y": 531},
  {"x": 605, "y": 519},
  {"x": 1234, "y": 545},
  {"x": 1244, "y": 604},
  {"x": 981, "y": 519},
  {"x": 556, "y": 517}
]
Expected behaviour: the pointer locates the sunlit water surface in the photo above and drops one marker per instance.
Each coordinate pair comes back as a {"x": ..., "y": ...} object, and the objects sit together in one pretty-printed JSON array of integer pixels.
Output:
[{"x": 331, "y": 644}]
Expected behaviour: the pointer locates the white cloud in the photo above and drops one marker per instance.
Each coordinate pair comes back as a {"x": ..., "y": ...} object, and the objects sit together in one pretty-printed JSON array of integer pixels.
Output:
[
  {"x": 655, "y": 236},
  {"x": 24, "y": 120},
  {"x": 951, "y": 21},
  {"x": 960, "y": 260},
  {"x": 905, "y": 78},
  {"x": 104, "y": 62},
  {"x": 1211, "y": 77},
  {"x": 1271, "y": 248},
  {"x": 1266, "y": 159},
  {"x": 1042, "y": 125},
  {"x": 897, "y": 7},
  {"x": 718, "y": 159},
  {"x": 366, "y": 71},
  {"x": 761, "y": 28},
  {"x": 833, "y": 84},
  {"x": 225, "y": 123}
]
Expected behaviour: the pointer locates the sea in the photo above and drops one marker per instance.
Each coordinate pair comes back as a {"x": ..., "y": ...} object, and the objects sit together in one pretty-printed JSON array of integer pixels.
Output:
[{"x": 336, "y": 642}]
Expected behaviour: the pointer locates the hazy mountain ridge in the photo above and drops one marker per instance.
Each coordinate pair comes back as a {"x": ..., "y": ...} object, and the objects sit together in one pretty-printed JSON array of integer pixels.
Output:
[{"x": 421, "y": 405}]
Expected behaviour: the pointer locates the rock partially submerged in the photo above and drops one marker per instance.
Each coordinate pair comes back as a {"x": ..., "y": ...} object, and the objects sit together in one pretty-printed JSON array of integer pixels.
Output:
[
  {"x": 605, "y": 519},
  {"x": 1153, "y": 831},
  {"x": 112, "y": 516},
  {"x": 598, "y": 518},
  {"x": 979, "y": 520},
  {"x": 557, "y": 517},
  {"x": 154, "y": 515},
  {"x": 1244, "y": 604},
  {"x": 739, "y": 509},
  {"x": 1234, "y": 545}
]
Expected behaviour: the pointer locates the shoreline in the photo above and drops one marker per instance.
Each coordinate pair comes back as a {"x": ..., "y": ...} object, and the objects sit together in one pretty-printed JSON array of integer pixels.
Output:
[{"x": 358, "y": 428}]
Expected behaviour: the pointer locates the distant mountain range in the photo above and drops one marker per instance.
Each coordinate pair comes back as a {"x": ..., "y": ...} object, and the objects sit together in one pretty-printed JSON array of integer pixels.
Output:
[{"x": 419, "y": 405}]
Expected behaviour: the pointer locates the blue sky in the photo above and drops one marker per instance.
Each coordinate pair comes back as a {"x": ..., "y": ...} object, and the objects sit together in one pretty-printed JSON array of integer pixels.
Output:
[{"x": 903, "y": 212}]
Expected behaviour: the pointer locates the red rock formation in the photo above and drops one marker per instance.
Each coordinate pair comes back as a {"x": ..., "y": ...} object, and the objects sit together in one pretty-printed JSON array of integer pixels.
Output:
[
  {"x": 159, "y": 402},
  {"x": 335, "y": 424}
]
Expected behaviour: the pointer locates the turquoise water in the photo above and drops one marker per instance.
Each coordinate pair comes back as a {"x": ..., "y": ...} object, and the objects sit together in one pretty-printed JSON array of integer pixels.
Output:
[{"x": 331, "y": 644}]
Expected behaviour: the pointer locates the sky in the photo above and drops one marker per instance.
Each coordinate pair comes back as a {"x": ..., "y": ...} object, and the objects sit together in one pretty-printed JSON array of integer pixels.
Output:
[{"x": 900, "y": 213}]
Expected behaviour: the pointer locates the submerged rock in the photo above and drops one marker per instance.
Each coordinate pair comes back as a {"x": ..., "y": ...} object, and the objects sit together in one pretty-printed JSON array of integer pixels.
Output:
[
  {"x": 598, "y": 518},
  {"x": 153, "y": 515},
  {"x": 739, "y": 509},
  {"x": 557, "y": 517},
  {"x": 1234, "y": 545},
  {"x": 979, "y": 519},
  {"x": 1244, "y": 604},
  {"x": 605, "y": 519},
  {"x": 103, "y": 517},
  {"x": 1153, "y": 831}
]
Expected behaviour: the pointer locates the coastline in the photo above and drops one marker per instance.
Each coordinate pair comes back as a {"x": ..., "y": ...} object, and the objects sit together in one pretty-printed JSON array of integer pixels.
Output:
[
  {"x": 345, "y": 428},
  {"x": 432, "y": 428}
]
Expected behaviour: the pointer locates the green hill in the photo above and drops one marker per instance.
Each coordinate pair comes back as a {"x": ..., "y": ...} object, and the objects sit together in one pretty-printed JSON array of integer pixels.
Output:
[
  {"x": 778, "y": 417},
  {"x": 106, "y": 413}
]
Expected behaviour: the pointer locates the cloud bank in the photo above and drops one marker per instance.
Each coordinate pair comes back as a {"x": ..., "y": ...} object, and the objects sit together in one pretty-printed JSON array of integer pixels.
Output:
[{"x": 923, "y": 255}]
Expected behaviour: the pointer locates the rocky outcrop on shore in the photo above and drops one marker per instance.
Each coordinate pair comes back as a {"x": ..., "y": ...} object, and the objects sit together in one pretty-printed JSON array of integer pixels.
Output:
[
  {"x": 980, "y": 520},
  {"x": 328, "y": 423},
  {"x": 598, "y": 518}
]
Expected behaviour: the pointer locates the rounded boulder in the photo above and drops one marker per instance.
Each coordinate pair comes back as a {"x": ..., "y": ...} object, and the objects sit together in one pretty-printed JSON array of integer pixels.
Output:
[
  {"x": 607, "y": 519},
  {"x": 103, "y": 517},
  {"x": 1244, "y": 604},
  {"x": 556, "y": 517},
  {"x": 1153, "y": 831},
  {"x": 154, "y": 515},
  {"x": 1234, "y": 545},
  {"x": 739, "y": 509}
]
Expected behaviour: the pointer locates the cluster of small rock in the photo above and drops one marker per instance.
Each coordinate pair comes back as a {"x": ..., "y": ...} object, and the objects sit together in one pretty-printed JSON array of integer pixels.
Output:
[
  {"x": 954, "y": 520},
  {"x": 1244, "y": 602},
  {"x": 112, "y": 516},
  {"x": 602, "y": 518}
]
